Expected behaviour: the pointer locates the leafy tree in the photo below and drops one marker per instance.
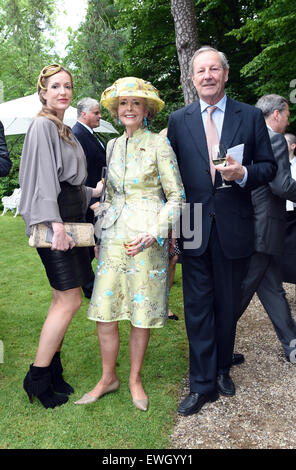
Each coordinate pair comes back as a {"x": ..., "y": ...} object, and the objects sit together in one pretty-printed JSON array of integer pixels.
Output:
[
  {"x": 95, "y": 49},
  {"x": 23, "y": 47},
  {"x": 149, "y": 51},
  {"x": 23, "y": 52},
  {"x": 126, "y": 38},
  {"x": 272, "y": 69},
  {"x": 143, "y": 44},
  {"x": 217, "y": 18}
]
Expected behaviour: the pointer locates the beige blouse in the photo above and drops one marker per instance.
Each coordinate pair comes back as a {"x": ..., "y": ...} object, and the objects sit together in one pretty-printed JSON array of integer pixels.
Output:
[{"x": 46, "y": 161}]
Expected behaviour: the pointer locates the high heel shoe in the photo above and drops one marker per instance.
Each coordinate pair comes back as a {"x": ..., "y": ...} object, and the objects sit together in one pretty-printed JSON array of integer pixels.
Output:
[
  {"x": 58, "y": 383},
  {"x": 87, "y": 398},
  {"x": 38, "y": 383}
]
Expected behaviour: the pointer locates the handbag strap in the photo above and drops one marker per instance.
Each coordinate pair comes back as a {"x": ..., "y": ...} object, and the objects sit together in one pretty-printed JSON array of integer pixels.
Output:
[{"x": 103, "y": 194}]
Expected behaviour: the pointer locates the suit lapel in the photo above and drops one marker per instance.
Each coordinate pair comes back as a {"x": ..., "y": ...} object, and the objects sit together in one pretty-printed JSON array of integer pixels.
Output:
[
  {"x": 92, "y": 135},
  {"x": 98, "y": 140},
  {"x": 194, "y": 123},
  {"x": 231, "y": 123}
]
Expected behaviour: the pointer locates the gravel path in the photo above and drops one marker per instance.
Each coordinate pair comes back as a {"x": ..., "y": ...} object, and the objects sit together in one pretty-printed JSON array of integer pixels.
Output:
[{"x": 262, "y": 413}]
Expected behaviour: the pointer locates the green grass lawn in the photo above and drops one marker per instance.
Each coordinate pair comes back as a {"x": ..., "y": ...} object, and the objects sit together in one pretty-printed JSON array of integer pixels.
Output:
[{"x": 112, "y": 422}]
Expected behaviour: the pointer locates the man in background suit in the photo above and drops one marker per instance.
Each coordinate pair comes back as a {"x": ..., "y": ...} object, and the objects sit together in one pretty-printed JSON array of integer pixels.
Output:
[
  {"x": 213, "y": 272},
  {"x": 265, "y": 275},
  {"x": 5, "y": 162},
  {"x": 288, "y": 259},
  {"x": 89, "y": 114},
  {"x": 291, "y": 142}
]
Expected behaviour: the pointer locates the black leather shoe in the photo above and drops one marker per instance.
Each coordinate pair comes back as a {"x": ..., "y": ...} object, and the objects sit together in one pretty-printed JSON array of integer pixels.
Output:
[
  {"x": 225, "y": 385},
  {"x": 237, "y": 359},
  {"x": 195, "y": 401}
]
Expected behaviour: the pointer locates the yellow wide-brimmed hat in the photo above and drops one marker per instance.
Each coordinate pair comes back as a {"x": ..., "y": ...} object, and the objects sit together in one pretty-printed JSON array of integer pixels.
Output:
[{"x": 131, "y": 86}]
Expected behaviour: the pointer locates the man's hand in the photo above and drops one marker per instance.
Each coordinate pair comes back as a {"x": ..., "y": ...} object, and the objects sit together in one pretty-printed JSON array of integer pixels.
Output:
[{"x": 233, "y": 171}]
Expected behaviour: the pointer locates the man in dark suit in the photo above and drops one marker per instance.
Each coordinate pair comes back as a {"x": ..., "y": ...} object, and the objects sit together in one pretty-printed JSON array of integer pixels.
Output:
[
  {"x": 213, "y": 272},
  {"x": 264, "y": 274},
  {"x": 89, "y": 114},
  {"x": 288, "y": 258},
  {"x": 5, "y": 162}
]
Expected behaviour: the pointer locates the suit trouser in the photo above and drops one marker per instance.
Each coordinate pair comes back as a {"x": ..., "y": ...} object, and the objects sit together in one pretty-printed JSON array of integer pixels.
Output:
[
  {"x": 264, "y": 277},
  {"x": 211, "y": 289}
]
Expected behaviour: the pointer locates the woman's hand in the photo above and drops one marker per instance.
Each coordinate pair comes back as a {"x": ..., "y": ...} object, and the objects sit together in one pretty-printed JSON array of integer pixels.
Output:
[
  {"x": 139, "y": 244},
  {"x": 61, "y": 240},
  {"x": 97, "y": 191}
]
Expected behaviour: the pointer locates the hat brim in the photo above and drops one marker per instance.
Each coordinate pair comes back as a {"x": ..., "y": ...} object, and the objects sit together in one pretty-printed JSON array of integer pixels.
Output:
[
  {"x": 131, "y": 86},
  {"x": 110, "y": 102}
]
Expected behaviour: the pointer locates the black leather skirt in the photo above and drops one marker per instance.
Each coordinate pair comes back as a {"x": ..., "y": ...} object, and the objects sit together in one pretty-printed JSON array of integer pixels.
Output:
[{"x": 68, "y": 269}]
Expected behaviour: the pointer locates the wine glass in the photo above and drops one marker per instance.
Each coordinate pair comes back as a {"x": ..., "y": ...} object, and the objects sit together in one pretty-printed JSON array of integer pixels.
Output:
[
  {"x": 103, "y": 173},
  {"x": 219, "y": 157}
]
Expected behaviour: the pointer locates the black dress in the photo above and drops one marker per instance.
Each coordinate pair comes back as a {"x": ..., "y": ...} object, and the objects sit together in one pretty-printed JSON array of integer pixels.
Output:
[{"x": 72, "y": 268}]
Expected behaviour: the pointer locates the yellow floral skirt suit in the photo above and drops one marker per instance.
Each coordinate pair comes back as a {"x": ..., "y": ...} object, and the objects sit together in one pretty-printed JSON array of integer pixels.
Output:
[{"x": 144, "y": 193}]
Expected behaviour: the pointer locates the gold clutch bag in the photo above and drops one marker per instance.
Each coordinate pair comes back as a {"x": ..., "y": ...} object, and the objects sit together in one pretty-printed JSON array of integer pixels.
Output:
[{"x": 82, "y": 234}]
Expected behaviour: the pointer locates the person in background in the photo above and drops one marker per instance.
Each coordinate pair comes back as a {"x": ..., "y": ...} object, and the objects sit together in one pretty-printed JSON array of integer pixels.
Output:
[
  {"x": 144, "y": 193},
  {"x": 52, "y": 176},
  {"x": 214, "y": 264},
  {"x": 173, "y": 255},
  {"x": 288, "y": 259},
  {"x": 265, "y": 271},
  {"x": 5, "y": 162},
  {"x": 88, "y": 118},
  {"x": 291, "y": 142}
]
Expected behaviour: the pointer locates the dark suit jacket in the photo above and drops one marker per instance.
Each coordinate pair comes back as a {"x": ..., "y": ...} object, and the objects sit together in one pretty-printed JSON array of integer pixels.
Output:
[
  {"x": 5, "y": 162},
  {"x": 94, "y": 152},
  {"x": 270, "y": 201},
  {"x": 232, "y": 208}
]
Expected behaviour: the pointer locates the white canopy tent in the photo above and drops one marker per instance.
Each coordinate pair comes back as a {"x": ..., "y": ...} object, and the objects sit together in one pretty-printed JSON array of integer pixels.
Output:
[{"x": 16, "y": 116}]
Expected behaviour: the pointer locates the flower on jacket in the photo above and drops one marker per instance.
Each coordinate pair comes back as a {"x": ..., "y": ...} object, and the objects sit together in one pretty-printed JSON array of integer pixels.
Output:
[{"x": 138, "y": 298}]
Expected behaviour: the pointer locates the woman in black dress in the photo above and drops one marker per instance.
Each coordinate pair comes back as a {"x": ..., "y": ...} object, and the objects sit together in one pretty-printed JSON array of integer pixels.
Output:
[{"x": 52, "y": 172}]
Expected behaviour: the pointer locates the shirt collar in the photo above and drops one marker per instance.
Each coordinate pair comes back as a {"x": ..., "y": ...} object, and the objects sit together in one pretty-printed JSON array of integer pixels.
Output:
[
  {"x": 87, "y": 127},
  {"x": 221, "y": 104}
]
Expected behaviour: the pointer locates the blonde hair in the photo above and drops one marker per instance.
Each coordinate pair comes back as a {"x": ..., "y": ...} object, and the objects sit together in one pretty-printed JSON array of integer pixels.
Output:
[{"x": 44, "y": 75}]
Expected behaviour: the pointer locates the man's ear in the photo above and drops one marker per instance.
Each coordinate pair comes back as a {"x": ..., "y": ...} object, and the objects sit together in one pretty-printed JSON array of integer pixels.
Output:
[{"x": 276, "y": 114}]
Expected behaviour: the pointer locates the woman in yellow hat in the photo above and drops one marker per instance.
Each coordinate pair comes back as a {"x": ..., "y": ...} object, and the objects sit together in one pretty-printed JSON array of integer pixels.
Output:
[{"x": 144, "y": 193}]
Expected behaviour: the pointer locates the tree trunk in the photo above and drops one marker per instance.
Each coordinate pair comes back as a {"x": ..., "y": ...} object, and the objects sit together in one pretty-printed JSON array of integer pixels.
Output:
[{"x": 186, "y": 43}]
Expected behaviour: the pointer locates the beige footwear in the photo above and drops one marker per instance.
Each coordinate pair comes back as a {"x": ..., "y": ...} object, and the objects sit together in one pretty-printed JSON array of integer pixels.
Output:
[
  {"x": 141, "y": 404},
  {"x": 87, "y": 398}
]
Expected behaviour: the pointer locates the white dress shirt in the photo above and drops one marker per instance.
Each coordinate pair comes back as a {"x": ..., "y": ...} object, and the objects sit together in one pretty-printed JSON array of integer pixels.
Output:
[
  {"x": 87, "y": 127},
  {"x": 92, "y": 132},
  {"x": 218, "y": 118},
  {"x": 289, "y": 204}
]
